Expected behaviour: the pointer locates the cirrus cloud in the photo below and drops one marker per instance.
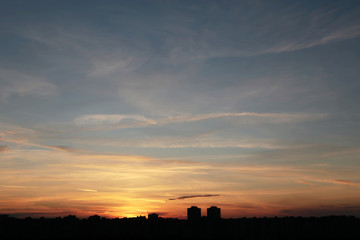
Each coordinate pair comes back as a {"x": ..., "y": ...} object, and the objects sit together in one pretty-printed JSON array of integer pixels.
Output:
[
  {"x": 21, "y": 84},
  {"x": 129, "y": 121}
]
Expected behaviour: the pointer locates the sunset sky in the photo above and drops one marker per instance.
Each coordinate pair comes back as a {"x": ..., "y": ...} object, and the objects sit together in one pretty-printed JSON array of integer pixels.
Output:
[{"x": 124, "y": 108}]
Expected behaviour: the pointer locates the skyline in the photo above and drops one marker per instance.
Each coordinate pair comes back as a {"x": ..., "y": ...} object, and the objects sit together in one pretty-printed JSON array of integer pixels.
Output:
[{"x": 126, "y": 108}]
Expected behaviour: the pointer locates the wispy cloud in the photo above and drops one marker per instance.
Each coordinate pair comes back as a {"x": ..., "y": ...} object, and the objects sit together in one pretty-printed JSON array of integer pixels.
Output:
[
  {"x": 346, "y": 182},
  {"x": 14, "y": 186},
  {"x": 21, "y": 84},
  {"x": 304, "y": 182},
  {"x": 273, "y": 117},
  {"x": 23, "y": 139},
  {"x": 129, "y": 121},
  {"x": 59, "y": 148},
  {"x": 195, "y": 196},
  {"x": 332, "y": 181},
  {"x": 200, "y": 141},
  {"x": 337, "y": 35},
  {"x": 105, "y": 66},
  {"x": 87, "y": 190},
  {"x": 111, "y": 119},
  {"x": 204, "y": 139},
  {"x": 10, "y": 133},
  {"x": 85, "y": 45},
  {"x": 3, "y": 148},
  {"x": 26, "y": 137}
]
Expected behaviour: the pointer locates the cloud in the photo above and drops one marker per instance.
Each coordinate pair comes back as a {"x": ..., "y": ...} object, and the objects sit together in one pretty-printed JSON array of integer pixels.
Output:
[
  {"x": 130, "y": 121},
  {"x": 195, "y": 196},
  {"x": 344, "y": 182},
  {"x": 20, "y": 84},
  {"x": 333, "y": 181},
  {"x": 201, "y": 141},
  {"x": 87, "y": 190},
  {"x": 12, "y": 186},
  {"x": 17, "y": 187},
  {"x": 341, "y": 34},
  {"x": 274, "y": 117},
  {"x": 88, "y": 47},
  {"x": 111, "y": 119},
  {"x": 26, "y": 137},
  {"x": 15, "y": 134},
  {"x": 304, "y": 182},
  {"x": 4, "y": 148},
  {"x": 59, "y": 148},
  {"x": 116, "y": 65}
]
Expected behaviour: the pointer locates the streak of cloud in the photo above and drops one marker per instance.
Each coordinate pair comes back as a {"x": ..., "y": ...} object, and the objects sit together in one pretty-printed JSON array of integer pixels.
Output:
[
  {"x": 60, "y": 148},
  {"x": 199, "y": 141},
  {"x": 329, "y": 180},
  {"x": 341, "y": 34},
  {"x": 195, "y": 196},
  {"x": 304, "y": 182},
  {"x": 20, "y": 84},
  {"x": 25, "y": 137},
  {"x": 346, "y": 182},
  {"x": 87, "y": 190},
  {"x": 18, "y": 187},
  {"x": 103, "y": 119},
  {"x": 131, "y": 121}
]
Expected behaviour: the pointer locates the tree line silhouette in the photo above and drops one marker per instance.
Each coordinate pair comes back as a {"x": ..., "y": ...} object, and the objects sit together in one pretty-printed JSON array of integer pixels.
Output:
[{"x": 96, "y": 227}]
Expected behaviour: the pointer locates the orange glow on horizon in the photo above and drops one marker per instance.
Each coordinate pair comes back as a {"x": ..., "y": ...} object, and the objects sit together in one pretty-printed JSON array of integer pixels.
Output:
[{"x": 130, "y": 186}]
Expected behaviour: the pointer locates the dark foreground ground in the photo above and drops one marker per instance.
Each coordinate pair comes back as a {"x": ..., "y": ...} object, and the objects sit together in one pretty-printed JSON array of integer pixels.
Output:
[{"x": 288, "y": 228}]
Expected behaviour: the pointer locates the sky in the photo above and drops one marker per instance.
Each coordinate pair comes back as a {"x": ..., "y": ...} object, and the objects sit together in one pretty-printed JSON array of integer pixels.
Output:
[{"x": 124, "y": 108}]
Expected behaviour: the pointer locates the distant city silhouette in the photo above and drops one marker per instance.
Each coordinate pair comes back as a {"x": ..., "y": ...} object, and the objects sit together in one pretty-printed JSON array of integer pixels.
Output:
[
  {"x": 153, "y": 216},
  {"x": 196, "y": 227}
]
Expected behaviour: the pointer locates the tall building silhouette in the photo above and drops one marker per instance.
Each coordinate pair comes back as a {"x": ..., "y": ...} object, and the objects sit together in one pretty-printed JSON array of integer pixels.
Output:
[
  {"x": 213, "y": 212},
  {"x": 194, "y": 213}
]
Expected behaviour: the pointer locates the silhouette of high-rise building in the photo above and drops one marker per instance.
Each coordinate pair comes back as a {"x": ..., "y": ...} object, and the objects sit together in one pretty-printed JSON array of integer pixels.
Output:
[
  {"x": 194, "y": 213},
  {"x": 214, "y": 212}
]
